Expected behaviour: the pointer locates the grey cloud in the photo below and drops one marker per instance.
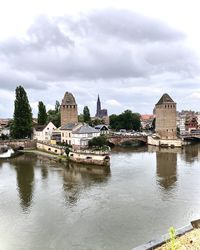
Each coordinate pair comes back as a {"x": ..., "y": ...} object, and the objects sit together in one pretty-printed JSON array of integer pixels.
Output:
[
  {"x": 122, "y": 24},
  {"x": 9, "y": 79},
  {"x": 118, "y": 53},
  {"x": 42, "y": 35}
]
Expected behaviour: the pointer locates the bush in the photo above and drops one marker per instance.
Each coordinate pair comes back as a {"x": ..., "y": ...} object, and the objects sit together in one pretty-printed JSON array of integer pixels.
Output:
[{"x": 97, "y": 142}]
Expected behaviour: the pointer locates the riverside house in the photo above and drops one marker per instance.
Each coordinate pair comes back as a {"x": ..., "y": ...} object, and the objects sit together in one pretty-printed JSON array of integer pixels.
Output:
[
  {"x": 43, "y": 132},
  {"x": 82, "y": 135}
]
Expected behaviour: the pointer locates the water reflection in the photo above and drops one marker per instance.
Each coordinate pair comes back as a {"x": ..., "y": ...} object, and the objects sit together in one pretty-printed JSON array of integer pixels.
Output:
[
  {"x": 166, "y": 168},
  {"x": 24, "y": 166},
  {"x": 44, "y": 172},
  {"x": 191, "y": 153},
  {"x": 77, "y": 178}
]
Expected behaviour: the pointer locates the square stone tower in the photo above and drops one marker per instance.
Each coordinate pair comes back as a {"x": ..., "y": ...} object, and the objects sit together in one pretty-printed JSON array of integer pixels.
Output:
[
  {"x": 68, "y": 109},
  {"x": 165, "y": 111}
]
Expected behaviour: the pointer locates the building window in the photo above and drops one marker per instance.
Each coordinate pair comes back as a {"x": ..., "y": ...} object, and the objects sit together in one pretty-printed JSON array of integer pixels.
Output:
[
  {"x": 69, "y": 134},
  {"x": 63, "y": 134}
]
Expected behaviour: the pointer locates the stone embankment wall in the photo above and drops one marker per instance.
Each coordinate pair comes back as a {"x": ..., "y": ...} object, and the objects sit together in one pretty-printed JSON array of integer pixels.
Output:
[
  {"x": 161, "y": 142},
  {"x": 19, "y": 144},
  {"x": 50, "y": 148},
  {"x": 90, "y": 158}
]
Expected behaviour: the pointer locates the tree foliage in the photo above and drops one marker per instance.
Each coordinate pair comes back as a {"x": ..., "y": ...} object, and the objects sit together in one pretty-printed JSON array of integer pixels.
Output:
[
  {"x": 99, "y": 141},
  {"x": 96, "y": 122},
  {"x": 80, "y": 118},
  {"x": 126, "y": 120},
  {"x": 86, "y": 114},
  {"x": 22, "y": 122},
  {"x": 53, "y": 115},
  {"x": 42, "y": 114}
]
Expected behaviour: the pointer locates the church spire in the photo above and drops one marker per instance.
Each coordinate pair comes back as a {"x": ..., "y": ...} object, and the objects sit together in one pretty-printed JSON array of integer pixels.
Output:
[{"x": 98, "y": 113}]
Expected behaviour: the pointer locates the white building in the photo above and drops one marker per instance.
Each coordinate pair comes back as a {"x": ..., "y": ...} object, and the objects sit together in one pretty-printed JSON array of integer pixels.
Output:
[
  {"x": 182, "y": 124},
  {"x": 43, "y": 132},
  {"x": 82, "y": 135},
  {"x": 66, "y": 132},
  {"x": 5, "y": 131},
  {"x": 103, "y": 129}
]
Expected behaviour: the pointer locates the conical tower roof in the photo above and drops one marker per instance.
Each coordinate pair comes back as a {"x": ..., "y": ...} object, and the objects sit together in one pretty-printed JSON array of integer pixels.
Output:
[
  {"x": 165, "y": 99},
  {"x": 68, "y": 99}
]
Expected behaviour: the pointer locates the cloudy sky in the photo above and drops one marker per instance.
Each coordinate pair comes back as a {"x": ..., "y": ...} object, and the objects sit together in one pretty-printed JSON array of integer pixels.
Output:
[{"x": 128, "y": 51}]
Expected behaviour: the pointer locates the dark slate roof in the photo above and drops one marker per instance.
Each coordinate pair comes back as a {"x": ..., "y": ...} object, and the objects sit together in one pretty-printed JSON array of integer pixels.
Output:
[
  {"x": 69, "y": 126},
  {"x": 165, "y": 99},
  {"x": 68, "y": 99},
  {"x": 85, "y": 129},
  {"x": 40, "y": 127},
  {"x": 100, "y": 126}
]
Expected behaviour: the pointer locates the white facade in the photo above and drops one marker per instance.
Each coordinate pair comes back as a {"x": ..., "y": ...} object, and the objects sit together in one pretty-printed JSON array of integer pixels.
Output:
[
  {"x": 66, "y": 132},
  {"x": 4, "y": 131},
  {"x": 182, "y": 125},
  {"x": 82, "y": 135},
  {"x": 82, "y": 139},
  {"x": 43, "y": 133}
]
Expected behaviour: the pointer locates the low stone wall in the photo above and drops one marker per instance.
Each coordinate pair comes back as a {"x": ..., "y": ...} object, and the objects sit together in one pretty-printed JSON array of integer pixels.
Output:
[
  {"x": 164, "y": 142},
  {"x": 90, "y": 158},
  {"x": 50, "y": 148},
  {"x": 16, "y": 144}
]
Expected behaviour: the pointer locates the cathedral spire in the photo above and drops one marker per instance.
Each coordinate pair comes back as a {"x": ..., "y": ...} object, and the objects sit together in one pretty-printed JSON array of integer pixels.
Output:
[{"x": 98, "y": 113}]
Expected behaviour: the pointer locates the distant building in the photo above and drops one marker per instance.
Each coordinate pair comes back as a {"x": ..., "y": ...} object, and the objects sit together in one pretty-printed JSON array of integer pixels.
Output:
[
  {"x": 191, "y": 123},
  {"x": 103, "y": 129},
  {"x": 146, "y": 121},
  {"x": 101, "y": 113},
  {"x": 43, "y": 132},
  {"x": 68, "y": 109},
  {"x": 165, "y": 111},
  {"x": 182, "y": 124}
]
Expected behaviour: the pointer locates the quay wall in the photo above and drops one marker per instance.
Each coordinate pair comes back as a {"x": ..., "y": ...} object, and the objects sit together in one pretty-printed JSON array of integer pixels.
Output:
[
  {"x": 50, "y": 148},
  {"x": 166, "y": 142},
  {"x": 90, "y": 158}
]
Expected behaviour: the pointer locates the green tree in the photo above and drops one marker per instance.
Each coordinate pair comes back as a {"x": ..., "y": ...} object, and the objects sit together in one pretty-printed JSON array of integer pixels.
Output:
[
  {"x": 42, "y": 114},
  {"x": 86, "y": 114},
  {"x": 99, "y": 141},
  {"x": 22, "y": 122},
  {"x": 126, "y": 120},
  {"x": 115, "y": 122},
  {"x": 80, "y": 118},
  {"x": 53, "y": 115}
]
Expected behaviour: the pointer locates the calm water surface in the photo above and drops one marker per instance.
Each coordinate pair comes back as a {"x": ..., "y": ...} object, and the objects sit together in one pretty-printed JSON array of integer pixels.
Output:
[{"x": 44, "y": 205}]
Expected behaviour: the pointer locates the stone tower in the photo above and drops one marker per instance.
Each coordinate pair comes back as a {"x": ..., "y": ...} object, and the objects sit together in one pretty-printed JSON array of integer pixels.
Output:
[
  {"x": 68, "y": 109},
  {"x": 98, "y": 113},
  {"x": 165, "y": 111}
]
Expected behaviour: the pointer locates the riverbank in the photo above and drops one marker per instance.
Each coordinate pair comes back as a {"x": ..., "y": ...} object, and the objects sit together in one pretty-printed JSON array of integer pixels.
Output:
[
  {"x": 45, "y": 154},
  {"x": 190, "y": 240}
]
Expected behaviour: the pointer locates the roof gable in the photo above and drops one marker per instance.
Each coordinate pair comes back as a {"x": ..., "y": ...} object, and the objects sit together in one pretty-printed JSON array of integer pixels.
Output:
[{"x": 165, "y": 99}]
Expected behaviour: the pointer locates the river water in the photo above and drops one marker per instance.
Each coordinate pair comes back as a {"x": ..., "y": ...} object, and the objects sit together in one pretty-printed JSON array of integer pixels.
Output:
[{"x": 44, "y": 205}]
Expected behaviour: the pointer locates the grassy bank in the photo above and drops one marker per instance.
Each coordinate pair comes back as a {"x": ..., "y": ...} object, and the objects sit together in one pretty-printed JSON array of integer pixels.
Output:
[{"x": 188, "y": 241}]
